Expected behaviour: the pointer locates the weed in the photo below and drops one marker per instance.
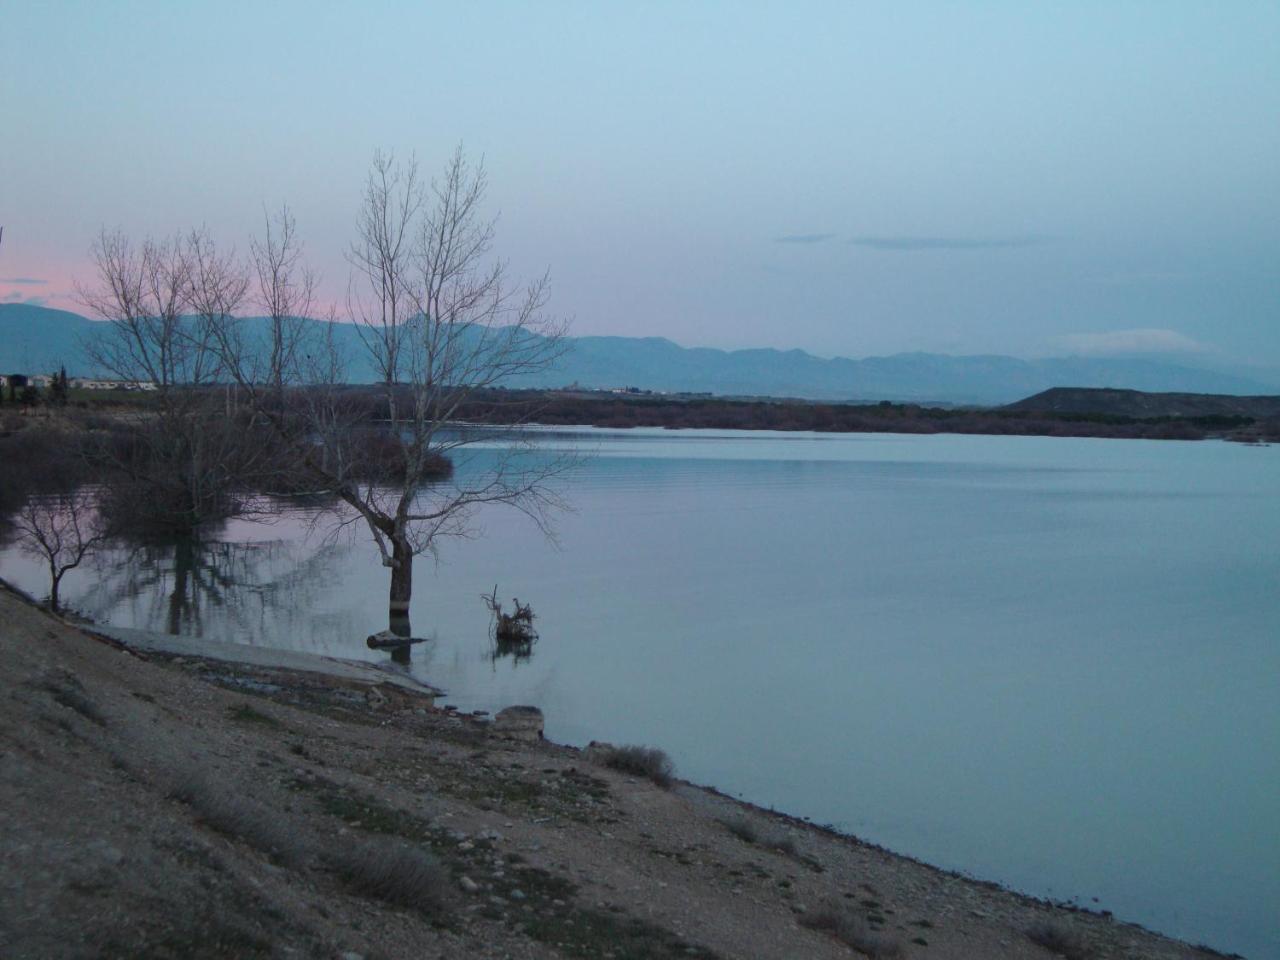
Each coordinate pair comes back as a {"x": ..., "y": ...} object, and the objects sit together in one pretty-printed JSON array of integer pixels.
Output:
[
  {"x": 1058, "y": 939},
  {"x": 240, "y": 818},
  {"x": 641, "y": 762},
  {"x": 243, "y": 713},
  {"x": 594, "y": 933},
  {"x": 853, "y": 931},
  {"x": 67, "y": 691},
  {"x": 393, "y": 872}
]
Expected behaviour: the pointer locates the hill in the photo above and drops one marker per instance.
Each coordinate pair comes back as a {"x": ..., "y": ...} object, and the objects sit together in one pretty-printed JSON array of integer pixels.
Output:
[
  {"x": 1135, "y": 403},
  {"x": 38, "y": 339}
]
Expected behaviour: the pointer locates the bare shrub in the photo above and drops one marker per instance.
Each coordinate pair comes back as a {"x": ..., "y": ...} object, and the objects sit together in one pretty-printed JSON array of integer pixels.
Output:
[
  {"x": 641, "y": 762},
  {"x": 69, "y": 692},
  {"x": 749, "y": 832},
  {"x": 393, "y": 872},
  {"x": 743, "y": 829},
  {"x": 1058, "y": 939},
  {"x": 240, "y": 818},
  {"x": 852, "y": 930}
]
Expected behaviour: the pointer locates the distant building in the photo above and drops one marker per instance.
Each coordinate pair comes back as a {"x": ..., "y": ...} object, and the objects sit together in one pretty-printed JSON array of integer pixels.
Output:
[
  {"x": 84, "y": 383},
  {"x": 42, "y": 381}
]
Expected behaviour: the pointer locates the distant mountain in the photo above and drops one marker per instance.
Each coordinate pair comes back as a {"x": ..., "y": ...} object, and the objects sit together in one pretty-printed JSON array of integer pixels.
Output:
[
  {"x": 1133, "y": 403},
  {"x": 38, "y": 339}
]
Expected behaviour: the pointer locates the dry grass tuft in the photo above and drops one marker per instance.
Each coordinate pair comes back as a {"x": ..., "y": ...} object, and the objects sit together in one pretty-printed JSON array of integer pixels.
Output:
[
  {"x": 852, "y": 930},
  {"x": 243, "y": 819},
  {"x": 641, "y": 762},
  {"x": 1058, "y": 939},
  {"x": 393, "y": 872},
  {"x": 67, "y": 691},
  {"x": 748, "y": 832}
]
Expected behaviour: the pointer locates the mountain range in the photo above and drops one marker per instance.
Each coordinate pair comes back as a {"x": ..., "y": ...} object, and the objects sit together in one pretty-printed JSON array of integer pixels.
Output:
[{"x": 40, "y": 339}]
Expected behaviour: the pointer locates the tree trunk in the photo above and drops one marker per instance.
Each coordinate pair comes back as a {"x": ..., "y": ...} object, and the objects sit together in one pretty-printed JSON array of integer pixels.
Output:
[
  {"x": 55, "y": 579},
  {"x": 401, "y": 593}
]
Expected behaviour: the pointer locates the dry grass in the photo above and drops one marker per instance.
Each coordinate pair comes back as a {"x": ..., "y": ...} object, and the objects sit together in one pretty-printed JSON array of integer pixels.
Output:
[
  {"x": 641, "y": 762},
  {"x": 393, "y": 872},
  {"x": 67, "y": 691},
  {"x": 243, "y": 819},
  {"x": 852, "y": 930},
  {"x": 1058, "y": 939},
  {"x": 748, "y": 832}
]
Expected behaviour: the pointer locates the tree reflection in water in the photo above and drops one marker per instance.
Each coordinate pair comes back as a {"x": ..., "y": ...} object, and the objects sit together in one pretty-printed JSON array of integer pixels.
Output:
[
  {"x": 518, "y": 650},
  {"x": 245, "y": 592}
]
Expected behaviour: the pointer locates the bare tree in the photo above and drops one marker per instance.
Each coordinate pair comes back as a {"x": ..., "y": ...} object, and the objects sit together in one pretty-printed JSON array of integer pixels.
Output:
[
  {"x": 439, "y": 321},
  {"x": 60, "y": 529},
  {"x": 181, "y": 460}
]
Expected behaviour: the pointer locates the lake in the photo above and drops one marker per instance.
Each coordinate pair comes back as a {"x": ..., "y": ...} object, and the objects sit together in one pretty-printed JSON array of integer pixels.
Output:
[{"x": 1052, "y": 663}]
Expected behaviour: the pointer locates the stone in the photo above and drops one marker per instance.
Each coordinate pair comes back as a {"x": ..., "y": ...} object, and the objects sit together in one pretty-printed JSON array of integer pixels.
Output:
[
  {"x": 469, "y": 885},
  {"x": 519, "y": 723}
]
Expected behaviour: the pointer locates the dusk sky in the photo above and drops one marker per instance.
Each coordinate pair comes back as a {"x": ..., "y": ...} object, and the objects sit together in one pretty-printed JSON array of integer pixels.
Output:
[{"x": 846, "y": 178}]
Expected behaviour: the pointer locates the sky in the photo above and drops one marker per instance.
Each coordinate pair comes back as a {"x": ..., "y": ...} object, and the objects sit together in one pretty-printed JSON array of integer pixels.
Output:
[{"x": 847, "y": 178}]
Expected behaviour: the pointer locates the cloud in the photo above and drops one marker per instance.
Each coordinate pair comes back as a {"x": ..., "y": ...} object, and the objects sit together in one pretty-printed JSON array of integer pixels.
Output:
[
  {"x": 943, "y": 243},
  {"x": 1117, "y": 342},
  {"x": 24, "y": 281},
  {"x": 805, "y": 238}
]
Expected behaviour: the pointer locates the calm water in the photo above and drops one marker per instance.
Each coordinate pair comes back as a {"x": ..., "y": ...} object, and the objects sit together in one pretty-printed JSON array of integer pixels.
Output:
[{"x": 1052, "y": 663}]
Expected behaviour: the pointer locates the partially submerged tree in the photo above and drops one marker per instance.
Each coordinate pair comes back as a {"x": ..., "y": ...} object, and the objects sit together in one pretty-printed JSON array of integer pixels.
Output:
[
  {"x": 180, "y": 463},
  {"x": 439, "y": 321}
]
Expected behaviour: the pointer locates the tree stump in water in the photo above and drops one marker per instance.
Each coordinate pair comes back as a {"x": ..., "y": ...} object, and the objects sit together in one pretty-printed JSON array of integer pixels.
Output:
[{"x": 511, "y": 629}]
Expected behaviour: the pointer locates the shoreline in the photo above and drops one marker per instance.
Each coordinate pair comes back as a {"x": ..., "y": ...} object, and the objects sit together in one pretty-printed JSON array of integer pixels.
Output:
[{"x": 691, "y": 855}]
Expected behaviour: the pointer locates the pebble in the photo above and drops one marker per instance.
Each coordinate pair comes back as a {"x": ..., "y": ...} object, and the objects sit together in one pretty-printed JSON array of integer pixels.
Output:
[
  {"x": 469, "y": 885},
  {"x": 517, "y": 894},
  {"x": 352, "y": 955},
  {"x": 466, "y": 845}
]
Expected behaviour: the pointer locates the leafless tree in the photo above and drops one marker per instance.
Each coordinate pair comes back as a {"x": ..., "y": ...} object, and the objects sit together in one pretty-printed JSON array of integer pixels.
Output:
[
  {"x": 61, "y": 530},
  {"x": 179, "y": 462},
  {"x": 439, "y": 321}
]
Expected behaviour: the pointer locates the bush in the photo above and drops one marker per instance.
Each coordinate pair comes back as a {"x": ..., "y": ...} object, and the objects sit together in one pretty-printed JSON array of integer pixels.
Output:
[
  {"x": 852, "y": 930},
  {"x": 393, "y": 872},
  {"x": 641, "y": 762},
  {"x": 243, "y": 819},
  {"x": 1058, "y": 939},
  {"x": 748, "y": 832},
  {"x": 67, "y": 691}
]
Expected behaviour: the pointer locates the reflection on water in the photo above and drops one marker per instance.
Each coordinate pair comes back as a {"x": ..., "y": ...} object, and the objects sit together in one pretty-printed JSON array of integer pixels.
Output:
[
  {"x": 246, "y": 591},
  {"x": 1049, "y": 662}
]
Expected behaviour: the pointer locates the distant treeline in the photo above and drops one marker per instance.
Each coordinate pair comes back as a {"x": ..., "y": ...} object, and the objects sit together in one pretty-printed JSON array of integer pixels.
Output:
[{"x": 565, "y": 408}]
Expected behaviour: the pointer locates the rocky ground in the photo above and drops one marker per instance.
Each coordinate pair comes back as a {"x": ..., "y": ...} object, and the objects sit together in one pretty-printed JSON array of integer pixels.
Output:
[{"x": 176, "y": 807}]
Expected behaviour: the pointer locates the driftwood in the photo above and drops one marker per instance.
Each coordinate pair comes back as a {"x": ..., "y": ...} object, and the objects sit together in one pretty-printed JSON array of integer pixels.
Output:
[
  {"x": 511, "y": 629},
  {"x": 386, "y": 640}
]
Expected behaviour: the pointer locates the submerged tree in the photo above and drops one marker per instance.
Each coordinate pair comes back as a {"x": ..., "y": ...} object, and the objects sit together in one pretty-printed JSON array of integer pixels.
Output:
[{"x": 439, "y": 321}]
